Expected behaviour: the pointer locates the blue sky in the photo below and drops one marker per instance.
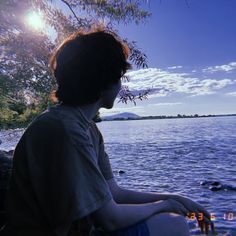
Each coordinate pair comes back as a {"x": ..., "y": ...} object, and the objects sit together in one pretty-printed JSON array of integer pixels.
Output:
[
  {"x": 191, "y": 50},
  {"x": 191, "y": 53}
]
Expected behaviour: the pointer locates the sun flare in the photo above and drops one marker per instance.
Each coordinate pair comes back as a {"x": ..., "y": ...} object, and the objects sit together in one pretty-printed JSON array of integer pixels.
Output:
[{"x": 35, "y": 20}]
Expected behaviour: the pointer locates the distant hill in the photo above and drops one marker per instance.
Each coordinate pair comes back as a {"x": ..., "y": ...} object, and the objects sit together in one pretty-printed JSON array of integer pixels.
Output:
[
  {"x": 121, "y": 116},
  {"x": 132, "y": 116}
]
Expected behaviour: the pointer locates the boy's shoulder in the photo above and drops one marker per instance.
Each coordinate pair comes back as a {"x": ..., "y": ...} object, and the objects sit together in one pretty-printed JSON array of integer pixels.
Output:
[{"x": 61, "y": 121}]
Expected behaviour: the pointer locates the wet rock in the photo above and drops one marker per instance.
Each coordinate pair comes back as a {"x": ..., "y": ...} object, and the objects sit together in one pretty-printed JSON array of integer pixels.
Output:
[
  {"x": 217, "y": 186},
  {"x": 121, "y": 172},
  {"x": 215, "y": 183},
  {"x": 203, "y": 183},
  {"x": 210, "y": 183}
]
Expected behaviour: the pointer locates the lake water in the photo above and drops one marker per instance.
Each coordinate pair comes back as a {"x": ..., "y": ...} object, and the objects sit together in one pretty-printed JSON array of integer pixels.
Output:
[{"x": 173, "y": 155}]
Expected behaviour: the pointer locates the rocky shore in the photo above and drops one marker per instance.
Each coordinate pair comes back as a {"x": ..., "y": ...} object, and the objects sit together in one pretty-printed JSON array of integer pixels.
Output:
[{"x": 5, "y": 171}]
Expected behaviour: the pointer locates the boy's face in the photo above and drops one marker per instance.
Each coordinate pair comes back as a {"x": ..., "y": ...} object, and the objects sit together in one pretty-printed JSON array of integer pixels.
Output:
[{"x": 109, "y": 95}]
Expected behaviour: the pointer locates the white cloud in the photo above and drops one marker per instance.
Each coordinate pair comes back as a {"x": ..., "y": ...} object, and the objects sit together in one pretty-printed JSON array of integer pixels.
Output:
[
  {"x": 163, "y": 83},
  {"x": 166, "y": 104},
  {"x": 231, "y": 94},
  {"x": 174, "y": 67},
  {"x": 136, "y": 109},
  {"x": 225, "y": 68}
]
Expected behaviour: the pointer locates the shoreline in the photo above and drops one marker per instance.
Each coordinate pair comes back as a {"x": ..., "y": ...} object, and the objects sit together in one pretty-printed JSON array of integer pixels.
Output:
[{"x": 166, "y": 117}]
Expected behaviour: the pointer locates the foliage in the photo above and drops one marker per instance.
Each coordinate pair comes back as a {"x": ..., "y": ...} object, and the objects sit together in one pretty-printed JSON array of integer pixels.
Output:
[
  {"x": 12, "y": 119},
  {"x": 25, "y": 78}
]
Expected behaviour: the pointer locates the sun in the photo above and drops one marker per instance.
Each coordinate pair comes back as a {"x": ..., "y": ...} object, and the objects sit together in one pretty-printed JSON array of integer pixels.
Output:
[{"x": 35, "y": 20}]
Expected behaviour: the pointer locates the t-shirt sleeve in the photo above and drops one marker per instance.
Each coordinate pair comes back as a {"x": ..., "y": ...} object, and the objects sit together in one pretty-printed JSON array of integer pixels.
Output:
[
  {"x": 67, "y": 182},
  {"x": 103, "y": 159}
]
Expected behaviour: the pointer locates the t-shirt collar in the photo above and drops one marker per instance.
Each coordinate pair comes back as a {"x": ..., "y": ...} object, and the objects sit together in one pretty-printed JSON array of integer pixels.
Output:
[
  {"x": 86, "y": 121},
  {"x": 76, "y": 113}
]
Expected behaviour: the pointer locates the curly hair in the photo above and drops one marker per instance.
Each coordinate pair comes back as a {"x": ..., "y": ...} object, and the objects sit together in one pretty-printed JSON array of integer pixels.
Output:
[{"x": 87, "y": 63}]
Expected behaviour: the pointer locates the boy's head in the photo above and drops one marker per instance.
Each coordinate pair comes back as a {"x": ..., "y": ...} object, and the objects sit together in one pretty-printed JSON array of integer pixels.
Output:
[{"x": 86, "y": 64}]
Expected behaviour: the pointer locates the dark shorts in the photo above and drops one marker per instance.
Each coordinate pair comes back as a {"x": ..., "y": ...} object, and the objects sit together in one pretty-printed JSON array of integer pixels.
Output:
[{"x": 139, "y": 229}]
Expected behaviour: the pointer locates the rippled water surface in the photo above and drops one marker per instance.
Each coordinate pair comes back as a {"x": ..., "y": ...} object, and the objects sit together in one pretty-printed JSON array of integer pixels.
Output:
[{"x": 173, "y": 155}]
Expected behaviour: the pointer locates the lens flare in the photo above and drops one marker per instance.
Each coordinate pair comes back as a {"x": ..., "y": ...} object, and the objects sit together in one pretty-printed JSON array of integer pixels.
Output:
[{"x": 35, "y": 20}]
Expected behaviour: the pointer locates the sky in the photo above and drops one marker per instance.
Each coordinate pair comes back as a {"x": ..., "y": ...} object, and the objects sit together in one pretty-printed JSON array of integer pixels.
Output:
[{"x": 191, "y": 50}]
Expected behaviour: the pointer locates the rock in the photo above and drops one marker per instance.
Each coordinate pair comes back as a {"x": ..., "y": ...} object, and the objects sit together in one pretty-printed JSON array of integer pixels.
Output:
[
  {"x": 121, "y": 172},
  {"x": 5, "y": 165},
  {"x": 215, "y": 183},
  {"x": 6, "y": 154},
  {"x": 203, "y": 183},
  {"x": 5, "y": 172},
  {"x": 210, "y": 183},
  {"x": 217, "y": 186}
]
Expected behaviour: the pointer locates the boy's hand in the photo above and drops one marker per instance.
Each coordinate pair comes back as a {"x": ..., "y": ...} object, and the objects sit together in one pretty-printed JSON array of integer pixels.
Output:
[{"x": 204, "y": 221}]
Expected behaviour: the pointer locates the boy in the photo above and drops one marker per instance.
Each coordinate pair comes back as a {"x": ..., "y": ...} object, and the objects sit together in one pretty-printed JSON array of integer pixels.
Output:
[{"x": 62, "y": 182}]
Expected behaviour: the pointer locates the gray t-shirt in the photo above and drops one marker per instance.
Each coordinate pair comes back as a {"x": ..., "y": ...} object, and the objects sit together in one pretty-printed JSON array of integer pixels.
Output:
[{"x": 59, "y": 174}]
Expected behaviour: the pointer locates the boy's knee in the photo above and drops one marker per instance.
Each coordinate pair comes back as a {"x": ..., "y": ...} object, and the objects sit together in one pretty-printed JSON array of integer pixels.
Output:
[
  {"x": 167, "y": 217},
  {"x": 178, "y": 219},
  {"x": 178, "y": 222},
  {"x": 168, "y": 224}
]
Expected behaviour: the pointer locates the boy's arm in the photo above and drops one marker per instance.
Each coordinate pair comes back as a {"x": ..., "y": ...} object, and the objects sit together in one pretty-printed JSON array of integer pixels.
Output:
[
  {"x": 125, "y": 196},
  {"x": 113, "y": 216}
]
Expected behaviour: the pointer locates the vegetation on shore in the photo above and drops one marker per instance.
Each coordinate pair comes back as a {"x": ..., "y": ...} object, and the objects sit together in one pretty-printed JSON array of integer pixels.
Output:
[
  {"x": 20, "y": 115},
  {"x": 166, "y": 117},
  {"x": 17, "y": 114}
]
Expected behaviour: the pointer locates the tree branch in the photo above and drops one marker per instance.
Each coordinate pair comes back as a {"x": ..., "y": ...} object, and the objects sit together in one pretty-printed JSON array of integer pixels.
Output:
[{"x": 69, "y": 6}]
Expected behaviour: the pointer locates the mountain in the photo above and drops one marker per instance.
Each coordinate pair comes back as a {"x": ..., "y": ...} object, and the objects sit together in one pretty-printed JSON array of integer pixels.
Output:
[{"x": 121, "y": 116}]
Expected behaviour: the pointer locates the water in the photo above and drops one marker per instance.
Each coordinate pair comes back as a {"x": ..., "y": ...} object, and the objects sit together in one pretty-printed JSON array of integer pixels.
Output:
[
  {"x": 9, "y": 138},
  {"x": 173, "y": 156}
]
